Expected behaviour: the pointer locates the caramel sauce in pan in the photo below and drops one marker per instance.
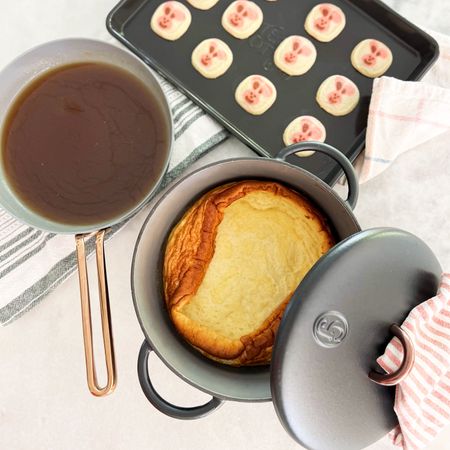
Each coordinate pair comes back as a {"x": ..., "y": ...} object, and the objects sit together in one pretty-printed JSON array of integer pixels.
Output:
[{"x": 84, "y": 143}]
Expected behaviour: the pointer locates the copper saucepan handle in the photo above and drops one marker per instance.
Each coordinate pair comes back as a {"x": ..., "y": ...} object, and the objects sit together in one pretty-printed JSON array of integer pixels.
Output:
[
  {"x": 105, "y": 314},
  {"x": 407, "y": 364}
]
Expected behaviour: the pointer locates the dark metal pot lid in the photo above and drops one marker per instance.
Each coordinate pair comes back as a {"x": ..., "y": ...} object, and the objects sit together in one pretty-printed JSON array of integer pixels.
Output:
[{"x": 335, "y": 327}]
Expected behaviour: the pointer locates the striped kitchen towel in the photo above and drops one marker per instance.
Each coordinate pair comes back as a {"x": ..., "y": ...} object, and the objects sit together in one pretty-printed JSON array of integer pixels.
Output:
[
  {"x": 405, "y": 115},
  {"x": 422, "y": 400},
  {"x": 32, "y": 262}
]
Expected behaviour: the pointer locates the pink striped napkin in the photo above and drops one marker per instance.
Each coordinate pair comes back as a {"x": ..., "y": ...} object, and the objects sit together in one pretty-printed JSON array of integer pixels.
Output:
[
  {"x": 422, "y": 400},
  {"x": 404, "y": 115}
]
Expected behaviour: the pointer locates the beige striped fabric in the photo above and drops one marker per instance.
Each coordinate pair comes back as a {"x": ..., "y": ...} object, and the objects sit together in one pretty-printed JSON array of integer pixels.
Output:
[
  {"x": 422, "y": 400},
  {"x": 33, "y": 263}
]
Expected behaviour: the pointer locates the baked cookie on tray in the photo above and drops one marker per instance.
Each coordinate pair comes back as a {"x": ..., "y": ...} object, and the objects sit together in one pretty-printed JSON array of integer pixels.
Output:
[
  {"x": 202, "y": 4},
  {"x": 295, "y": 55},
  {"x": 325, "y": 22},
  {"x": 338, "y": 95},
  {"x": 212, "y": 58},
  {"x": 242, "y": 18},
  {"x": 171, "y": 20},
  {"x": 372, "y": 58},
  {"x": 256, "y": 94},
  {"x": 302, "y": 129}
]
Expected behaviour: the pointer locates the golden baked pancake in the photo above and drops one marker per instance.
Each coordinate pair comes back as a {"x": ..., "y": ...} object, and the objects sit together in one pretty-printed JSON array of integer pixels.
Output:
[{"x": 232, "y": 264}]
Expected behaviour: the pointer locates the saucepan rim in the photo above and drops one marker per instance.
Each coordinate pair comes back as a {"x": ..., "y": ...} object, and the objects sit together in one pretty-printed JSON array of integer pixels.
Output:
[{"x": 156, "y": 90}]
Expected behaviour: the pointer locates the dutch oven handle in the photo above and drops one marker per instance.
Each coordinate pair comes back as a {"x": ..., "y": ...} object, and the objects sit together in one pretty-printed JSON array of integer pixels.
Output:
[
  {"x": 177, "y": 412},
  {"x": 346, "y": 165}
]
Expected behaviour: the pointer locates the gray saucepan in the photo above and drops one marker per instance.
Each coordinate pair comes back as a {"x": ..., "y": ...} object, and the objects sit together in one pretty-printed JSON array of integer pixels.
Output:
[
  {"x": 251, "y": 384},
  {"x": 15, "y": 79}
]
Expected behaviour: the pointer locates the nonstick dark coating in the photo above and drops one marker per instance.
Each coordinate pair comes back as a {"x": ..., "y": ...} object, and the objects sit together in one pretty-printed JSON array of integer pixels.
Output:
[
  {"x": 412, "y": 49},
  {"x": 242, "y": 384}
]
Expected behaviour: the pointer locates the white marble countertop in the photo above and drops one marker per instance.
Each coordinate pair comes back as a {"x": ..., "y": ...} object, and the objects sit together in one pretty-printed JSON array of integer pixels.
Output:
[{"x": 45, "y": 403}]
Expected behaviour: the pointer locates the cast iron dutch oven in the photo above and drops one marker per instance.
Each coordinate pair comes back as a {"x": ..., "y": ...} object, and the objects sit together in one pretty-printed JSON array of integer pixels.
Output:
[{"x": 335, "y": 326}]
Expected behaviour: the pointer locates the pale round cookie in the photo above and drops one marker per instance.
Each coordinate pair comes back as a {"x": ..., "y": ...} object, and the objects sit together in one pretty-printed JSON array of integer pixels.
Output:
[
  {"x": 242, "y": 18},
  {"x": 338, "y": 95},
  {"x": 203, "y": 4},
  {"x": 171, "y": 20},
  {"x": 302, "y": 129},
  {"x": 295, "y": 55},
  {"x": 371, "y": 58},
  {"x": 256, "y": 94},
  {"x": 212, "y": 58},
  {"x": 325, "y": 21}
]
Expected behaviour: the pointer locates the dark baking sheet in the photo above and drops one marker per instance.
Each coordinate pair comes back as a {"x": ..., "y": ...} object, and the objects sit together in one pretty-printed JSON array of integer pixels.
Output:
[{"x": 413, "y": 52}]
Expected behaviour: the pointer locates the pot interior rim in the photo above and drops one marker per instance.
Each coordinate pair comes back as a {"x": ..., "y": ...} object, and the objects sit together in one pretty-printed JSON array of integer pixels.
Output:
[{"x": 210, "y": 175}]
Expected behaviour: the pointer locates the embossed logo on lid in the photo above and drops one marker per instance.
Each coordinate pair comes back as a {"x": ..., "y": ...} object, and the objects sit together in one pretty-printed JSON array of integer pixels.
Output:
[{"x": 330, "y": 329}]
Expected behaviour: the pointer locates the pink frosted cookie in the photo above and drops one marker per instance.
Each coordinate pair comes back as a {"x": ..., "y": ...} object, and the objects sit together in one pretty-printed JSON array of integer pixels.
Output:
[
  {"x": 304, "y": 128},
  {"x": 371, "y": 58},
  {"x": 212, "y": 58},
  {"x": 338, "y": 95},
  {"x": 171, "y": 20},
  {"x": 256, "y": 94},
  {"x": 203, "y": 4},
  {"x": 295, "y": 55},
  {"x": 242, "y": 18},
  {"x": 325, "y": 21}
]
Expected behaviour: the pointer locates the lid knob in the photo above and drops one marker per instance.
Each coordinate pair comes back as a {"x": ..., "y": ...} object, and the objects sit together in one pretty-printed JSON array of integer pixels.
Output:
[{"x": 407, "y": 364}]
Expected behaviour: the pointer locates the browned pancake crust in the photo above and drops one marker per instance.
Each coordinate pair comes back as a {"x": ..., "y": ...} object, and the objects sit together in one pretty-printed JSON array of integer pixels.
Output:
[{"x": 189, "y": 250}]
